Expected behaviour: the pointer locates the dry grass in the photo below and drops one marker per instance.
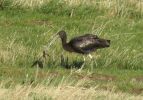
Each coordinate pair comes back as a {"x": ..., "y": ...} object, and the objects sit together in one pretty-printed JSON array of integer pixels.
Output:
[
  {"x": 10, "y": 51},
  {"x": 124, "y": 52},
  {"x": 63, "y": 91},
  {"x": 29, "y": 3},
  {"x": 108, "y": 4},
  {"x": 122, "y": 8}
]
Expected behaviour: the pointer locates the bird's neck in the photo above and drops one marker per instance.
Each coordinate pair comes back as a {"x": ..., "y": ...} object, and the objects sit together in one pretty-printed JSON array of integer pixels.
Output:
[
  {"x": 64, "y": 41},
  {"x": 66, "y": 45}
]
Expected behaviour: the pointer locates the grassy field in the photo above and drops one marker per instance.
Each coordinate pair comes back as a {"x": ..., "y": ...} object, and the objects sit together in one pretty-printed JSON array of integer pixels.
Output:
[{"x": 27, "y": 28}]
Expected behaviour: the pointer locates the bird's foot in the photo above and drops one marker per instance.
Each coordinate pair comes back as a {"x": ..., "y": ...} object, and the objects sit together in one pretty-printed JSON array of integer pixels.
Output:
[
  {"x": 79, "y": 70},
  {"x": 89, "y": 72},
  {"x": 90, "y": 56}
]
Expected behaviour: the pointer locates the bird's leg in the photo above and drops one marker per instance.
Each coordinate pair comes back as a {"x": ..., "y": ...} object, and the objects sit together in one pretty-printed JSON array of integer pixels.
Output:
[
  {"x": 83, "y": 63},
  {"x": 79, "y": 70},
  {"x": 91, "y": 57},
  {"x": 67, "y": 62},
  {"x": 37, "y": 71},
  {"x": 93, "y": 60},
  {"x": 44, "y": 57},
  {"x": 62, "y": 60}
]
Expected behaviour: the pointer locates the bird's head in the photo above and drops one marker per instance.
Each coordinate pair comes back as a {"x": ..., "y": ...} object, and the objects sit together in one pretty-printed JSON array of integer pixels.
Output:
[{"x": 62, "y": 34}]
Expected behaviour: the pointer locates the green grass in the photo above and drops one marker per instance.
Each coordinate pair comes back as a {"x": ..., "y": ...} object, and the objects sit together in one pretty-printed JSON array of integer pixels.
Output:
[{"x": 24, "y": 33}]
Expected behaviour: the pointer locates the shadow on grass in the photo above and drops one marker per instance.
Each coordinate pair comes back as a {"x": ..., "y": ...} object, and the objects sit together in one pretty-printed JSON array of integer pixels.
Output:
[{"x": 74, "y": 64}]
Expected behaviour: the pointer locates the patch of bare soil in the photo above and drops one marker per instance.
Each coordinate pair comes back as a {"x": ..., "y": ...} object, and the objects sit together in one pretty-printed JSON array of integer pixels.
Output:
[
  {"x": 137, "y": 91},
  {"x": 138, "y": 79},
  {"x": 102, "y": 77},
  {"x": 42, "y": 74},
  {"x": 99, "y": 77},
  {"x": 39, "y": 22},
  {"x": 6, "y": 23}
]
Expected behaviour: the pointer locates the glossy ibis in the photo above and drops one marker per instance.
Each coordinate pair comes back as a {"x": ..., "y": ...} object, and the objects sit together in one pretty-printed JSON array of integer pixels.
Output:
[{"x": 83, "y": 44}]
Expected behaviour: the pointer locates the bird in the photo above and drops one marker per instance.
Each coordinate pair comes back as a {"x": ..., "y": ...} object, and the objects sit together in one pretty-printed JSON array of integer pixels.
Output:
[{"x": 85, "y": 44}]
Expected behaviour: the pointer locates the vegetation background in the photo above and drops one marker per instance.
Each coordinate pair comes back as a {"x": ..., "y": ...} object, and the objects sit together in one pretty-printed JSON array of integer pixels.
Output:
[{"x": 27, "y": 27}]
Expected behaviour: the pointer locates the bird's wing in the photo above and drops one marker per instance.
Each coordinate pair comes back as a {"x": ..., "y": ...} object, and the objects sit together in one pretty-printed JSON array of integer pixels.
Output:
[
  {"x": 91, "y": 36},
  {"x": 84, "y": 43}
]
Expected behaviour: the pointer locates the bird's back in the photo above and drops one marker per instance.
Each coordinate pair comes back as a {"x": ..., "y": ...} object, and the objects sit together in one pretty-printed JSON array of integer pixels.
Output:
[{"x": 84, "y": 44}]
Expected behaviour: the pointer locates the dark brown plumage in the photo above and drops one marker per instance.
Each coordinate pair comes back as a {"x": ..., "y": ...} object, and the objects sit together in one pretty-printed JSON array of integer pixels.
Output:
[{"x": 83, "y": 44}]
